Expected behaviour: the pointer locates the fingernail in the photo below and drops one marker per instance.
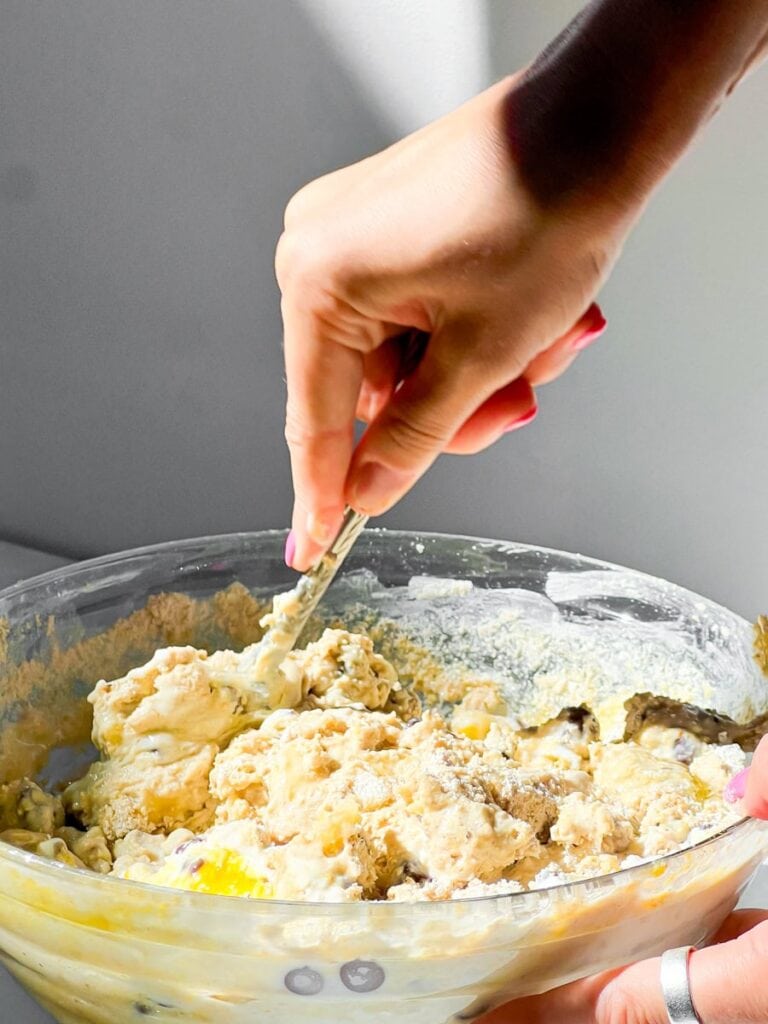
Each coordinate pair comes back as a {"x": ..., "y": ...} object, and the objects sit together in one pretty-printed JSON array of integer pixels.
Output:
[
  {"x": 522, "y": 420},
  {"x": 377, "y": 486},
  {"x": 290, "y": 549},
  {"x": 320, "y": 529},
  {"x": 593, "y": 326},
  {"x": 737, "y": 787}
]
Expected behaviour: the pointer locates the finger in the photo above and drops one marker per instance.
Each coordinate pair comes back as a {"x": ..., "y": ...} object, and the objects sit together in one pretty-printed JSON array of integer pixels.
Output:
[
  {"x": 324, "y": 378},
  {"x": 555, "y": 360},
  {"x": 507, "y": 409},
  {"x": 727, "y": 985},
  {"x": 574, "y": 1003},
  {"x": 634, "y": 993},
  {"x": 756, "y": 796},
  {"x": 380, "y": 379},
  {"x": 751, "y": 784},
  {"x": 417, "y": 424}
]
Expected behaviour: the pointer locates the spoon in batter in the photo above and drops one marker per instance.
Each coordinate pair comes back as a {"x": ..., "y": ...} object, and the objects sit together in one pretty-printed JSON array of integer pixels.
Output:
[{"x": 291, "y": 611}]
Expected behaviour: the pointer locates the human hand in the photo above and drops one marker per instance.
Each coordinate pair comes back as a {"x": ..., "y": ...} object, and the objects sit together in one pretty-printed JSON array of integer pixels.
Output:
[
  {"x": 490, "y": 230},
  {"x": 751, "y": 784},
  {"x": 436, "y": 234},
  {"x": 728, "y": 978}
]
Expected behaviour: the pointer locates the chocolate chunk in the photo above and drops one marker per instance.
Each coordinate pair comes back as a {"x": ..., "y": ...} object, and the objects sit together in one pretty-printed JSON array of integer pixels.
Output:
[{"x": 150, "y": 1007}]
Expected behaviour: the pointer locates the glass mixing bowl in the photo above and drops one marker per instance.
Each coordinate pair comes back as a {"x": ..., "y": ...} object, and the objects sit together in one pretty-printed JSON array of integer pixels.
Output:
[{"x": 106, "y": 951}]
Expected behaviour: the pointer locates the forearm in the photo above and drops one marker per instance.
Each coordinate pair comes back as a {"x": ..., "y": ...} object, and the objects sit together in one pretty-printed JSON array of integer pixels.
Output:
[{"x": 612, "y": 103}]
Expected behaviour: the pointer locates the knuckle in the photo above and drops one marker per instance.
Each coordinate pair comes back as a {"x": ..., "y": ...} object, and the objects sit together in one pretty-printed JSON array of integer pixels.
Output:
[
  {"x": 510, "y": 360},
  {"x": 599, "y": 261},
  {"x": 306, "y": 246},
  {"x": 302, "y": 435},
  {"x": 282, "y": 258},
  {"x": 296, "y": 206},
  {"x": 493, "y": 356},
  {"x": 298, "y": 433},
  {"x": 616, "y": 1005},
  {"x": 305, "y": 201},
  {"x": 416, "y": 435},
  {"x": 756, "y": 939},
  {"x": 310, "y": 273},
  {"x": 297, "y": 258}
]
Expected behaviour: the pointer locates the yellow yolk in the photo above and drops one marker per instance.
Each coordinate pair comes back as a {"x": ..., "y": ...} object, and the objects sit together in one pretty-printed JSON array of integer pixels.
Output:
[
  {"x": 472, "y": 724},
  {"x": 219, "y": 872}
]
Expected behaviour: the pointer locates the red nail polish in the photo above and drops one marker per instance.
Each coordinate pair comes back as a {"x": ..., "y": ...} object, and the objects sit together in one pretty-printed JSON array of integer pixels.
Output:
[
  {"x": 737, "y": 787},
  {"x": 290, "y": 549},
  {"x": 521, "y": 421},
  {"x": 593, "y": 326}
]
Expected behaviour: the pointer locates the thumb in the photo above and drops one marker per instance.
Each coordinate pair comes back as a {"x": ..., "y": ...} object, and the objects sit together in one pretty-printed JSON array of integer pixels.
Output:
[
  {"x": 756, "y": 797},
  {"x": 417, "y": 424}
]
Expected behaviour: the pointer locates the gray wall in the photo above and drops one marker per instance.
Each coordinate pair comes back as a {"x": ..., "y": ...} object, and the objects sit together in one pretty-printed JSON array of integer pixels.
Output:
[{"x": 146, "y": 152}]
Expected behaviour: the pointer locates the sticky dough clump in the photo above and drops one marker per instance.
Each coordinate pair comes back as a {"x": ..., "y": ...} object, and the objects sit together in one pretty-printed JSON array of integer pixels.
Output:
[{"x": 338, "y": 785}]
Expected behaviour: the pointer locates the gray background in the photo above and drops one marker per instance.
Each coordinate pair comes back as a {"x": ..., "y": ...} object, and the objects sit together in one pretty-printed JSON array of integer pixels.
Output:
[
  {"x": 146, "y": 153},
  {"x": 147, "y": 150}
]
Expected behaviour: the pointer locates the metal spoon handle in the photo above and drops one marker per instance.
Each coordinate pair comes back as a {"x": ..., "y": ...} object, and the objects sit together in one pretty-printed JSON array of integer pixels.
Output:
[
  {"x": 315, "y": 582},
  {"x": 290, "y": 612},
  {"x": 352, "y": 526}
]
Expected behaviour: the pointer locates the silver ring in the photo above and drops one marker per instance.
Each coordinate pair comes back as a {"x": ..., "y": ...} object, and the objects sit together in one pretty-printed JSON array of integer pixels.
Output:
[{"x": 676, "y": 986}]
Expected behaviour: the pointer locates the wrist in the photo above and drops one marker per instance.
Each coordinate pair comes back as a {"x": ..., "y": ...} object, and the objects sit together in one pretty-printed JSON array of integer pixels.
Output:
[{"x": 605, "y": 111}]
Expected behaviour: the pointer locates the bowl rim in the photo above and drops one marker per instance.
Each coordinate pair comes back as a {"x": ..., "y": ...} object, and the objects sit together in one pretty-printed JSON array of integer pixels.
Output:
[
  {"x": 76, "y": 566},
  {"x": 209, "y": 901}
]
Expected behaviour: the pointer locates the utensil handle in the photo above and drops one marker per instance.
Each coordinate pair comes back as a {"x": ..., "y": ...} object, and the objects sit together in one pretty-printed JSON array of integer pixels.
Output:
[
  {"x": 313, "y": 585},
  {"x": 352, "y": 526}
]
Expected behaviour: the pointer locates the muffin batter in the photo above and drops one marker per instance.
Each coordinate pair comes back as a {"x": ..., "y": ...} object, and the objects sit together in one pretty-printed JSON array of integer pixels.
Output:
[{"x": 340, "y": 784}]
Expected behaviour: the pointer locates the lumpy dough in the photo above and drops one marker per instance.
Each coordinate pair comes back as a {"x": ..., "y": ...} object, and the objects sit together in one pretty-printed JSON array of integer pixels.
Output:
[{"x": 339, "y": 785}]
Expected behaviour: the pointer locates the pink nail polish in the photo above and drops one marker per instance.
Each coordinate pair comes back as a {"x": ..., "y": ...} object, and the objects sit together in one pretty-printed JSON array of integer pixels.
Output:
[
  {"x": 290, "y": 549},
  {"x": 594, "y": 325},
  {"x": 521, "y": 421},
  {"x": 737, "y": 787}
]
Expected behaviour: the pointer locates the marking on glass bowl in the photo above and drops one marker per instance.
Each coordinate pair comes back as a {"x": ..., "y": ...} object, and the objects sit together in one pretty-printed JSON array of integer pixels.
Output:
[
  {"x": 362, "y": 975},
  {"x": 304, "y": 982},
  {"x": 151, "y": 1008}
]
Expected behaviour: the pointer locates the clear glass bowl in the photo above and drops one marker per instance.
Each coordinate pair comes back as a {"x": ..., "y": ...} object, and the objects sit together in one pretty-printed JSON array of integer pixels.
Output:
[{"x": 106, "y": 951}]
